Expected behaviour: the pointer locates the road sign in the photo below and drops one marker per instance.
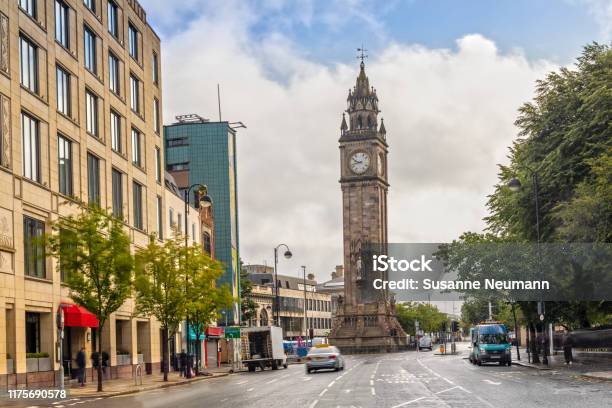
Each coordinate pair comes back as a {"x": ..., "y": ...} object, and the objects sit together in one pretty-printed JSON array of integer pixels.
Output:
[{"x": 232, "y": 332}]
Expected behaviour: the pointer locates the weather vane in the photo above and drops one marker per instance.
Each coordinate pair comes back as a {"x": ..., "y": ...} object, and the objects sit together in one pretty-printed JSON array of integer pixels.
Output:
[{"x": 362, "y": 53}]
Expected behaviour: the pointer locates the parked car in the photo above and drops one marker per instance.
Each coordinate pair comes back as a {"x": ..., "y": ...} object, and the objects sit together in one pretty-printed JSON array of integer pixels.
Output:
[
  {"x": 324, "y": 356},
  {"x": 425, "y": 343}
]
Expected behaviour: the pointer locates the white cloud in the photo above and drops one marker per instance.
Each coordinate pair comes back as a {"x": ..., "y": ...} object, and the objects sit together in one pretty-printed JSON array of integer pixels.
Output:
[
  {"x": 601, "y": 10},
  {"x": 449, "y": 116}
]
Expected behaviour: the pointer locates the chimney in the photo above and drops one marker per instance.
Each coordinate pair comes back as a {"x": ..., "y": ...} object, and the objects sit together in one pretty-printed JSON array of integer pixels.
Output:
[{"x": 339, "y": 272}]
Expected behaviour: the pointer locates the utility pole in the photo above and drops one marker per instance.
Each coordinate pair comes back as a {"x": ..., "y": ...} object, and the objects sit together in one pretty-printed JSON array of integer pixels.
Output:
[
  {"x": 490, "y": 311},
  {"x": 305, "y": 309}
]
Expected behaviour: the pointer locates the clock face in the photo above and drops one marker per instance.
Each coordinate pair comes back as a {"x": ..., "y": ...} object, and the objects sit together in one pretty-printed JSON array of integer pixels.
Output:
[
  {"x": 359, "y": 162},
  {"x": 381, "y": 165}
]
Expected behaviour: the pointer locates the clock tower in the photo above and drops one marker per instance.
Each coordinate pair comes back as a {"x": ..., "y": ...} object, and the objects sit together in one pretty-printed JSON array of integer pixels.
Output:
[{"x": 365, "y": 320}]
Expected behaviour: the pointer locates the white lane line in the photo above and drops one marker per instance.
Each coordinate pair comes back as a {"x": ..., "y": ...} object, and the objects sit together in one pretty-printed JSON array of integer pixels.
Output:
[
  {"x": 434, "y": 373},
  {"x": 313, "y": 404},
  {"x": 373, "y": 391},
  {"x": 242, "y": 382},
  {"x": 272, "y": 381},
  {"x": 331, "y": 384},
  {"x": 464, "y": 390},
  {"x": 224, "y": 399},
  {"x": 307, "y": 378},
  {"x": 322, "y": 392},
  {"x": 448, "y": 389},
  {"x": 407, "y": 402},
  {"x": 492, "y": 382},
  {"x": 371, "y": 382},
  {"x": 250, "y": 389}
]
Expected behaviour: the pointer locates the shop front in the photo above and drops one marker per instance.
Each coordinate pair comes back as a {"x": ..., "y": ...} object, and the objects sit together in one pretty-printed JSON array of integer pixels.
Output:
[
  {"x": 211, "y": 346},
  {"x": 76, "y": 334}
]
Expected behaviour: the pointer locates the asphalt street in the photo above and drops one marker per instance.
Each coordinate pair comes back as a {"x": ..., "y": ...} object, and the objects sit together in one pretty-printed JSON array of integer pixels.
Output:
[{"x": 407, "y": 379}]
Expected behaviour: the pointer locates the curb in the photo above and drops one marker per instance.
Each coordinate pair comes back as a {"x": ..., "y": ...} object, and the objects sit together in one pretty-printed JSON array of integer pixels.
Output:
[
  {"x": 529, "y": 365},
  {"x": 107, "y": 394},
  {"x": 593, "y": 376}
]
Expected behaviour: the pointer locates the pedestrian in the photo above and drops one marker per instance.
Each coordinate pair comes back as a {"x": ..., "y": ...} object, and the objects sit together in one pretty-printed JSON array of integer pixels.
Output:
[
  {"x": 568, "y": 343},
  {"x": 105, "y": 358},
  {"x": 80, "y": 361},
  {"x": 183, "y": 364}
]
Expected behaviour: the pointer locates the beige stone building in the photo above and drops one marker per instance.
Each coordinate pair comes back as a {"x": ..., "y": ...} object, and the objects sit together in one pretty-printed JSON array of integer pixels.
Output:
[
  {"x": 80, "y": 119},
  {"x": 292, "y": 297}
]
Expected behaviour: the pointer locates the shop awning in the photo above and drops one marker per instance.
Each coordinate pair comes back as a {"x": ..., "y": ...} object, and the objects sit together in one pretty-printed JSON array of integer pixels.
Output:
[{"x": 77, "y": 316}]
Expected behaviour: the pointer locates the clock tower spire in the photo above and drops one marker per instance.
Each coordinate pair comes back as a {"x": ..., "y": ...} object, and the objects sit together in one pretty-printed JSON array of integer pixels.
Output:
[{"x": 365, "y": 320}]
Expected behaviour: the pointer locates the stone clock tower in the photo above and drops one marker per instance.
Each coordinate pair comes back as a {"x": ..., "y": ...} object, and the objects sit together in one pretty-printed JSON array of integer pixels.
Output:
[{"x": 365, "y": 320}]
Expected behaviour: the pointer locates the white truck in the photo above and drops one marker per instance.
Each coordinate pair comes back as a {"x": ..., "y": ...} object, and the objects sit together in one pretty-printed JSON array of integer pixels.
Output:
[{"x": 262, "y": 347}]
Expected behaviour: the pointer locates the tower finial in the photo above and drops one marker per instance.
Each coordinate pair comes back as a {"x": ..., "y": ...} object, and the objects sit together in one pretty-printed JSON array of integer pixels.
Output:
[{"x": 362, "y": 54}]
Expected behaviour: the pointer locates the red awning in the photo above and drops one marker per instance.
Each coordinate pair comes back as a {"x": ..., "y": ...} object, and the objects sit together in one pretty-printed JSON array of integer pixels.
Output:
[
  {"x": 77, "y": 316},
  {"x": 214, "y": 331}
]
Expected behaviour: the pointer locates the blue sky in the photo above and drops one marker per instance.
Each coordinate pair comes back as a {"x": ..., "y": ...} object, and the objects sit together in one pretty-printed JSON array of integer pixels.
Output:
[{"x": 329, "y": 31}]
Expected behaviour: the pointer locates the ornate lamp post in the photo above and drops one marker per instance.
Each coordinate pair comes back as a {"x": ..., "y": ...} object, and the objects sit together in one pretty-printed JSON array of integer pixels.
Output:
[{"x": 287, "y": 255}]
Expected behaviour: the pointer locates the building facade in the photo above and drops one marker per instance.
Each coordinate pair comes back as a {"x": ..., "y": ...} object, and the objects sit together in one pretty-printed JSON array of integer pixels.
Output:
[
  {"x": 334, "y": 287},
  {"x": 199, "y": 151},
  {"x": 293, "y": 295},
  {"x": 80, "y": 121}
]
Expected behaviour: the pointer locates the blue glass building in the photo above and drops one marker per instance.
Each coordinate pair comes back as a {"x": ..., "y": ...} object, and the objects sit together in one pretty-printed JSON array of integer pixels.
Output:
[{"x": 198, "y": 151}]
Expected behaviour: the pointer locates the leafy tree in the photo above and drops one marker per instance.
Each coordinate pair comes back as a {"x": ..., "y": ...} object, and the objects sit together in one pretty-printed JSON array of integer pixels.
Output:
[
  {"x": 204, "y": 299},
  {"x": 94, "y": 256},
  {"x": 160, "y": 287},
  {"x": 429, "y": 317},
  {"x": 247, "y": 304}
]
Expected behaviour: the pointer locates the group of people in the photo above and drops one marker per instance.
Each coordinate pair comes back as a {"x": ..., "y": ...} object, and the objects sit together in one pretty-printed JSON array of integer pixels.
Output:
[
  {"x": 81, "y": 362},
  {"x": 185, "y": 364}
]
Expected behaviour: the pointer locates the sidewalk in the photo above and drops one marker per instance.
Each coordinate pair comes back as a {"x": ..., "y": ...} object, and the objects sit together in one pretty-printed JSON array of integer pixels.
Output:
[
  {"x": 599, "y": 369},
  {"x": 124, "y": 386}
]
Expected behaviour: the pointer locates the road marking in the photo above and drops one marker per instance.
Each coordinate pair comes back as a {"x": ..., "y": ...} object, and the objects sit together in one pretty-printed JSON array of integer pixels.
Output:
[
  {"x": 272, "y": 381},
  {"x": 250, "y": 389},
  {"x": 307, "y": 378},
  {"x": 373, "y": 391},
  {"x": 242, "y": 382},
  {"x": 372, "y": 382},
  {"x": 434, "y": 373},
  {"x": 322, "y": 392},
  {"x": 448, "y": 389},
  {"x": 331, "y": 383},
  {"x": 224, "y": 399},
  {"x": 492, "y": 382},
  {"x": 313, "y": 404},
  {"x": 408, "y": 402}
]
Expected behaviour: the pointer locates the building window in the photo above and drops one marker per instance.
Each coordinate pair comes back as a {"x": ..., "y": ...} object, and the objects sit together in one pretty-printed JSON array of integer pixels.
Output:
[
  {"x": 171, "y": 217},
  {"x": 63, "y": 91},
  {"x": 193, "y": 234},
  {"x": 113, "y": 73},
  {"x": 115, "y": 131},
  {"x": 136, "y": 148},
  {"x": 33, "y": 254},
  {"x": 180, "y": 141},
  {"x": 93, "y": 179},
  {"x": 178, "y": 166},
  {"x": 62, "y": 33},
  {"x": 90, "y": 50},
  {"x": 160, "y": 225},
  {"x": 31, "y": 147},
  {"x": 32, "y": 323},
  {"x": 29, "y": 6},
  {"x": 179, "y": 221},
  {"x": 64, "y": 160},
  {"x": 157, "y": 164},
  {"x": 155, "y": 64},
  {"x": 91, "y": 113},
  {"x": 28, "y": 64},
  {"x": 113, "y": 20},
  {"x": 117, "y": 180},
  {"x": 133, "y": 41},
  {"x": 156, "y": 115},
  {"x": 137, "y": 190},
  {"x": 206, "y": 243},
  {"x": 90, "y": 4},
  {"x": 134, "y": 93}
]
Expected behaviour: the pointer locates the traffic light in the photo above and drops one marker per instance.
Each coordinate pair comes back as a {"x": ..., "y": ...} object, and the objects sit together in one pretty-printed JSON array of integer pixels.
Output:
[
  {"x": 444, "y": 326},
  {"x": 454, "y": 326}
]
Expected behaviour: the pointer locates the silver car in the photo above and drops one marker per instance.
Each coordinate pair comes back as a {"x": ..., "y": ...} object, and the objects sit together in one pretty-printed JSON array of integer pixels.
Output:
[{"x": 324, "y": 356}]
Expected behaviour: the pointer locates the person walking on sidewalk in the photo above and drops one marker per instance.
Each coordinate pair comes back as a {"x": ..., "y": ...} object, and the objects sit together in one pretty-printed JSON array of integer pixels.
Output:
[
  {"x": 183, "y": 364},
  {"x": 80, "y": 361},
  {"x": 568, "y": 343}
]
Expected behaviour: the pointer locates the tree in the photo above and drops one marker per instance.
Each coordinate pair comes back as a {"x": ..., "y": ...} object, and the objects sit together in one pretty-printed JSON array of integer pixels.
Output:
[
  {"x": 429, "y": 317},
  {"x": 94, "y": 256},
  {"x": 160, "y": 287},
  {"x": 203, "y": 299},
  {"x": 247, "y": 305}
]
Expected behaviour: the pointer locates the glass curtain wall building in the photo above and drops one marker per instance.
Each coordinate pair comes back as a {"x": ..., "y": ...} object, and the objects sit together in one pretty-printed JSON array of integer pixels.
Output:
[{"x": 199, "y": 151}]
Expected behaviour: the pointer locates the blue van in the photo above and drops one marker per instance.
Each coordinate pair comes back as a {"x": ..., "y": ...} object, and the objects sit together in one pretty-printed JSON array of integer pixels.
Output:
[{"x": 490, "y": 344}]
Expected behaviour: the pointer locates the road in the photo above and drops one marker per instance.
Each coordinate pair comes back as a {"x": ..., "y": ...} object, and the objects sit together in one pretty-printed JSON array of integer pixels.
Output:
[{"x": 407, "y": 379}]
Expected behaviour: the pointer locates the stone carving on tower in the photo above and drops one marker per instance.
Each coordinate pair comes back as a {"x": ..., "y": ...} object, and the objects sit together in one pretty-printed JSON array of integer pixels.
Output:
[{"x": 365, "y": 321}]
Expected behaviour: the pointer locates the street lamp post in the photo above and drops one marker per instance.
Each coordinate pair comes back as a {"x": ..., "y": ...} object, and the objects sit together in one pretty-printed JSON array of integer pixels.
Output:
[
  {"x": 515, "y": 185},
  {"x": 287, "y": 255},
  {"x": 203, "y": 201},
  {"x": 305, "y": 310}
]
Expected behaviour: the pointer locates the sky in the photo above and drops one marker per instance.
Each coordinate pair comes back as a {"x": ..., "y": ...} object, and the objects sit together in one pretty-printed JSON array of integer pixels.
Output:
[{"x": 450, "y": 76}]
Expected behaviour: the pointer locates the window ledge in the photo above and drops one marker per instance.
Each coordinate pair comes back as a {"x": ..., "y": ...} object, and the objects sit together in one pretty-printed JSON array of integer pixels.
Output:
[
  {"x": 68, "y": 50},
  {"x": 37, "y": 279},
  {"x": 34, "y": 94}
]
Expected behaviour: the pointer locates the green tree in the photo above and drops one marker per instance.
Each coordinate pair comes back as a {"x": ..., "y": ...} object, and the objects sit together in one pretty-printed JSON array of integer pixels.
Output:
[
  {"x": 429, "y": 317},
  {"x": 160, "y": 287},
  {"x": 94, "y": 257},
  {"x": 204, "y": 298},
  {"x": 247, "y": 304}
]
